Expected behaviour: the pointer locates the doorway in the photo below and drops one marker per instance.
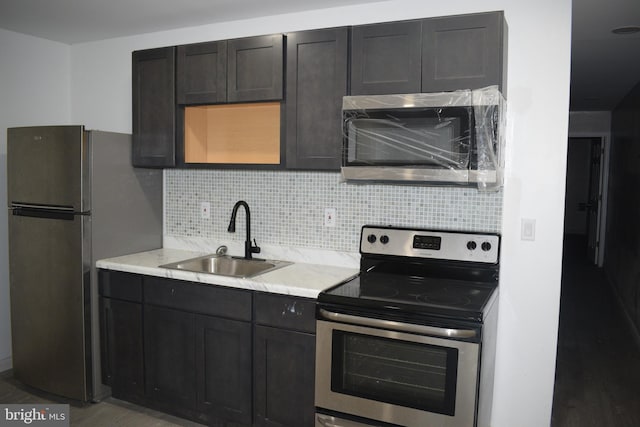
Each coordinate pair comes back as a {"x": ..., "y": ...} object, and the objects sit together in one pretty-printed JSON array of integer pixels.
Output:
[
  {"x": 583, "y": 199},
  {"x": 597, "y": 370}
]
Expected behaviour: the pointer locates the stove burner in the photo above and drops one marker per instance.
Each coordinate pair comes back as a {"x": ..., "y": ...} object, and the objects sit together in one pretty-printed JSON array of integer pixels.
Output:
[
  {"x": 378, "y": 290},
  {"x": 443, "y": 297}
]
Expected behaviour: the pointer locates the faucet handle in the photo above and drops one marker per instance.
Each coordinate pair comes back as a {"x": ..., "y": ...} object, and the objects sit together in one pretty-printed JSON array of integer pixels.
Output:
[{"x": 255, "y": 248}]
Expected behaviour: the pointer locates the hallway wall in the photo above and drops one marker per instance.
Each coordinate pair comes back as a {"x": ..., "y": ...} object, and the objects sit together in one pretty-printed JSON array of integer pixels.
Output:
[{"x": 622, "y": 252}]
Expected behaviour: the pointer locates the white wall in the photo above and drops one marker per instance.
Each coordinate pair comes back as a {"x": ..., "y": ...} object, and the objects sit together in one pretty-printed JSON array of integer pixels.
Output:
[
  {"x": 538, "y": 88},
  {"x": 34, "y": 90}
]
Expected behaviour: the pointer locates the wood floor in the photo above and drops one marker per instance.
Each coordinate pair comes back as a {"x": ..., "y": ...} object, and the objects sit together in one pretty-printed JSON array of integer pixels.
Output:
[
  {"x": 598, "y": 360},
  {"x": 108, "y": 413}
]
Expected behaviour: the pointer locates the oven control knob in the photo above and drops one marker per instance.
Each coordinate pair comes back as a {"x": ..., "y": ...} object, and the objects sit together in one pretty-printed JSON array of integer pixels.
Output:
[
  {"x": 384, "y": 239},
  {"x": 486, "y": 246},
  {"x": 471, "y": 245},
  {"x": 371, "y": 238}
]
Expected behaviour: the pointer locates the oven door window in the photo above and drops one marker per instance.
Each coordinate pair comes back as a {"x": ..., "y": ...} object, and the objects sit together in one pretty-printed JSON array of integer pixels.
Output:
[
  {"x": 397, "y": 372},
  {"x": 423, "y": 137}
]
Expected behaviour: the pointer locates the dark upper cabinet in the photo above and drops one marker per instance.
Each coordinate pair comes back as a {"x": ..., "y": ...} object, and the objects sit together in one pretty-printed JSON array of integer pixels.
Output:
[
  {"x": 463, "y": 52},
  {"x": 201, "y": 73},
  {"x": 316, "y": 82},
  {"x": 385, "y": 58},
  {"x": 248, "y": 69},
  {"x": 255, "y": 68},
  {"x": 223, "y": 357},
  {"x": 430, "y": 55},
  {"x": 154, "y": 106},
  {"x": 170, "y": 357}
]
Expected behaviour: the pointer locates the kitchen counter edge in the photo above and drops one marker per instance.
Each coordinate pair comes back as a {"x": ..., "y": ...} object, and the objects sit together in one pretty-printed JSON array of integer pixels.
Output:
[{"x": 298, "y": 279}]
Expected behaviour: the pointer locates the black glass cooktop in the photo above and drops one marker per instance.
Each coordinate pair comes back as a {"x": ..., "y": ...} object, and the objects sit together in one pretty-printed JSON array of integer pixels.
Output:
[{"x": 410, "y": 294}]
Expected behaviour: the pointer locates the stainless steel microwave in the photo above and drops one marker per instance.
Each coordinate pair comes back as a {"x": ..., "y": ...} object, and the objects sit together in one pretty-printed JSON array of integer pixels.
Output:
[{"x": 442, "y": 138}]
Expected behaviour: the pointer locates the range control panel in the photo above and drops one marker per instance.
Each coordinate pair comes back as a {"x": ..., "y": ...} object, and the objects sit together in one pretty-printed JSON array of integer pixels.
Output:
[{"x": 446, "y": 245}]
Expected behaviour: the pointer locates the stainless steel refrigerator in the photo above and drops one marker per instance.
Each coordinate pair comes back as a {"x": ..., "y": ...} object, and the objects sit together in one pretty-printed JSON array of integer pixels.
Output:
[{"x": 73, "y": 199}]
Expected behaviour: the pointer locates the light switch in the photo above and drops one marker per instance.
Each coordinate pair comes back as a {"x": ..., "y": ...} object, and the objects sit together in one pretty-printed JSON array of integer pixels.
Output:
[{"x": 528, "y": 229}]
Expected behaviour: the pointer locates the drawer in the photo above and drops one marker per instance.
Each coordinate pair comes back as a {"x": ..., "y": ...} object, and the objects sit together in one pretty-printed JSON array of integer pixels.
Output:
[
  {"x": 285, "y": 312},
  {"x": 206, "y": 299},
  {"x": 120, "y": 285}
]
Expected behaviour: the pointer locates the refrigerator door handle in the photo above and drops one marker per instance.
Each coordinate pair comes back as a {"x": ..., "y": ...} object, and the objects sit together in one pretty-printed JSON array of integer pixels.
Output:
[{"x": 35, "y": 211}]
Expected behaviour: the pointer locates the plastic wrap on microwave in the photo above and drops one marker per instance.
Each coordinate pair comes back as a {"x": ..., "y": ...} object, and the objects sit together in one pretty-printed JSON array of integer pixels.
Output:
[
  {"x": 490, "y": 115},
  {"x": 446, "y": 138}
]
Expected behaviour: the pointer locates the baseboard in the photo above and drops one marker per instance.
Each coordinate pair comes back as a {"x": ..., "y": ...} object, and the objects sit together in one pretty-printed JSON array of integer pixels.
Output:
[
  {"x": 632, "y": 326},
  {"x": 6, "y": 364}
]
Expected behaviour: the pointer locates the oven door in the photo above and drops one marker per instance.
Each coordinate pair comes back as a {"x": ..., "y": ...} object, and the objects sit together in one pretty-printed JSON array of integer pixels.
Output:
[{"x": 396, "y": 377}]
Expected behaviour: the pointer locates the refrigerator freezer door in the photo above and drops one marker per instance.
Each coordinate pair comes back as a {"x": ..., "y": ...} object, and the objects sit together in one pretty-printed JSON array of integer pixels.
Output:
[
  {"x": 48, "y": 285},
  {"x": 48, "y": 166}
]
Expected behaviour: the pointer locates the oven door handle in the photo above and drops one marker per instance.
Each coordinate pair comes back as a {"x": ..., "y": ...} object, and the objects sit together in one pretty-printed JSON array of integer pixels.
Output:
[{"x": 397, "y": 326}]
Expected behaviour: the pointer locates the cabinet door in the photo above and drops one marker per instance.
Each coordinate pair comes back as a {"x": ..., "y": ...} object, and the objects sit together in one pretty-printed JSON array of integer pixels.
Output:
[
  {"x": 254, "y": 67},
  {"x": 223, "y": 349},
  {"x": 121, "y": 348},
  {"x": 316, "y": 83},
  {"x": 463, "y": 52},
  {"x": 170, "y": 357},
  {"x": 154, "y": 107},
  {"x": 202, "y": 73},
  {"x": 284, "y": 377},
  {"x": 385, "y": 58}
]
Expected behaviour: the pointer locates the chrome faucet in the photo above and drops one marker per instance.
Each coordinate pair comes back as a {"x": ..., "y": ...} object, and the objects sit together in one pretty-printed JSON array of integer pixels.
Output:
[{"x": 249, "y": 248}]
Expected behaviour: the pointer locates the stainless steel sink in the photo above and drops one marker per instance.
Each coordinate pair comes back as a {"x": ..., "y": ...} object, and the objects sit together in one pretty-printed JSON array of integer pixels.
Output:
[{"x": 223, "y": 265}]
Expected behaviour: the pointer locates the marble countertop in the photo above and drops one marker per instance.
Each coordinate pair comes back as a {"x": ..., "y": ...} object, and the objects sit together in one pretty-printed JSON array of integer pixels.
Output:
[{"x": 298, "y": 279}]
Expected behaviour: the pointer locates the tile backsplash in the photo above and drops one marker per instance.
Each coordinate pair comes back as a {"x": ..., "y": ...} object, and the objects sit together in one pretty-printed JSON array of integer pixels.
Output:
[{"x": 287, "y": 208}]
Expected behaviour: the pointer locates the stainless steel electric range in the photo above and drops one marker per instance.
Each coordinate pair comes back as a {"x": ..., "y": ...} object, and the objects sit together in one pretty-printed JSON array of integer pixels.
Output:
[{"x": 411, "y": 340}]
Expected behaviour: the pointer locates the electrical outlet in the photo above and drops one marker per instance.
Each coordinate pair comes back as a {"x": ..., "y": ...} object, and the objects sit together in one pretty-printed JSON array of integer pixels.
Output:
[
  {"x": 205, "y": 210},
  {"x": 329, "y": 217}
]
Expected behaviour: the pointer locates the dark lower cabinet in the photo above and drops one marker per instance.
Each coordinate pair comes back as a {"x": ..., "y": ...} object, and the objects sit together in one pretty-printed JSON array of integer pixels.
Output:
[
  {"x": 220, "y": 356},
  {"x": 170, "y": 357},
  {"x": 223, "y": 356},
  {"x": 198, "y": 366},
  {"x": 121, "y": 334},
  {"x": 316, "y": 82},
  {"x": 121, "y": 350},
  {"x": 284, "y": 377},
  {"x": 284, "y": 361}
]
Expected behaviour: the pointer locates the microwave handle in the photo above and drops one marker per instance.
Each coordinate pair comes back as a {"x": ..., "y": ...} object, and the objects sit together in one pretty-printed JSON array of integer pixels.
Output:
[{"x": 397, "y": 326}]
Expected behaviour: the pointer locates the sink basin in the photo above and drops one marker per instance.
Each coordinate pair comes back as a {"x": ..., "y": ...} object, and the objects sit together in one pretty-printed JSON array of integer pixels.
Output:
[{"x": 223, "y": 265}]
